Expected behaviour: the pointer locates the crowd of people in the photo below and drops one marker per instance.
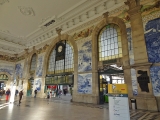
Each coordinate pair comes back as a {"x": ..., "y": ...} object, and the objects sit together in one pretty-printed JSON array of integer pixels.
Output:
[
  {"x": 7, "y": 94},
  {"x": 56, "y": 93}
]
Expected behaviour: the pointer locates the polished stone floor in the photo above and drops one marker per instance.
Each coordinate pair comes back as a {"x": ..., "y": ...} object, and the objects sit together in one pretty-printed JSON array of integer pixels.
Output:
[{"x": 62, "y": 109}]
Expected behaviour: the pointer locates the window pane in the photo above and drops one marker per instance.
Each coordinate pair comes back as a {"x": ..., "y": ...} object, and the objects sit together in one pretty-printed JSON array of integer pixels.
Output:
[
  {"x": 65, "y": 65},
  {"x": 109, "y": 42}
]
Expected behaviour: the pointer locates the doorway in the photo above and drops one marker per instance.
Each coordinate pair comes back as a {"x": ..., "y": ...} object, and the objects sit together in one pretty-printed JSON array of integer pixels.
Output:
[{"x": 111, "y": 75}]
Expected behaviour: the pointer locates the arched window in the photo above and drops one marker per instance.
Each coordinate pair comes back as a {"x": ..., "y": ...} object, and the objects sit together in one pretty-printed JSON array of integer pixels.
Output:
[
  {"x": 109, "y": 42},
  {"x": 63, "y": 65},
  {"x": 33, "y": 63}
]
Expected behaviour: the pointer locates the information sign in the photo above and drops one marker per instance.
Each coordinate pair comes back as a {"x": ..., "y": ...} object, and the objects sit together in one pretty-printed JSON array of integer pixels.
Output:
[{"x": 118, "y": 102}]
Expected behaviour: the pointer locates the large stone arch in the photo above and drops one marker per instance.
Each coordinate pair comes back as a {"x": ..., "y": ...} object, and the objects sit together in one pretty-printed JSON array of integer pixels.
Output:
[
  {"x": 125, "y": 53},
  {"x": 10, "y": 79},
  {"x": 30, "y": 60},
  {"x": 75, "y": 51}
]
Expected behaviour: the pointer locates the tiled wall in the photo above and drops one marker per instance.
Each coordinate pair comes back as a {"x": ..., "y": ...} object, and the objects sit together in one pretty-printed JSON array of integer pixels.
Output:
[
  {"x": 37, "y": 84},
  {"x": 152, "y": 37},
  {"x": 39, "y": 69},
  {"x": 19, "y": 69},
  {"x": 130, "y": 46},
  {"x": 134, "y": 82},
  {"x": 84, "y": 55},
  {"x": 85, "y": 83},
  {"x": 155, "y": 78},
  {"x": 7, "y": 68}
]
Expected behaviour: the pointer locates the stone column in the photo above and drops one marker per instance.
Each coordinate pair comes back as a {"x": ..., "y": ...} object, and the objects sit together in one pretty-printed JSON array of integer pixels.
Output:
[
  {"x": 139, "y": 46},
  {"x": 25, "y": 72},
  {"x": 145, "y": 99}
]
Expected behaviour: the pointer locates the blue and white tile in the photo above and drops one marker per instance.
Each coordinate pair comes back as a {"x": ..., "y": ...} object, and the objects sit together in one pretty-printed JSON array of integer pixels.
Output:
[
  {"x": 134, "y": 82},
  {"x": 130, "y": 46},
  {"x": 39, "y": 69},
  {"x": 7, "y": 69},
  {"x": 38, "y": 84},
  {"x": 152, "y": 38},
  {"x": 19, "y": 69},
  {"x": 84, "y": 56},
  {"x": 155, "y": 78},
  {"x": 85, "y": 83},
  {"x": 52, "y": 61}
]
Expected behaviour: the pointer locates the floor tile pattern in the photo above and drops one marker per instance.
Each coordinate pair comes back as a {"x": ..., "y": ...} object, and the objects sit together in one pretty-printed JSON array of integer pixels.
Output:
[{"x": 63, "y": 109}]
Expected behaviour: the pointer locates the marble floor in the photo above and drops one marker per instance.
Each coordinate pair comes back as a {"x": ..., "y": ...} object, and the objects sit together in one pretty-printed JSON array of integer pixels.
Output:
[{"x": 62, "y": 109}]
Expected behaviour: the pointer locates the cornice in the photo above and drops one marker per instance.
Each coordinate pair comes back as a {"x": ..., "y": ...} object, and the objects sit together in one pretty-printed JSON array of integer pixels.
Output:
[
  {"x": 11, "y": 44},
  {"x": 68, "y": 21}
]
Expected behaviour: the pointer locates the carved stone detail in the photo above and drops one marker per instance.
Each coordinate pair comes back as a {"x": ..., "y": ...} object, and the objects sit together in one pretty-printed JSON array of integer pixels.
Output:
[
  {"x": 134, "y": 6},
  {"x": 26, "y": 11}
]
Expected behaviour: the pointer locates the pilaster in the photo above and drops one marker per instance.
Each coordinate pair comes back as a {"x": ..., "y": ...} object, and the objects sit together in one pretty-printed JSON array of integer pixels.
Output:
[{"x": 139, "y": 46}]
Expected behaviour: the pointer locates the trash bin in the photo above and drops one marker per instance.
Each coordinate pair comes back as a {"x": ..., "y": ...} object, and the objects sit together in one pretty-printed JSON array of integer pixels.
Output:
[
  {"x": 106, "y": 98},
  {"x": 133, "y": 104}
]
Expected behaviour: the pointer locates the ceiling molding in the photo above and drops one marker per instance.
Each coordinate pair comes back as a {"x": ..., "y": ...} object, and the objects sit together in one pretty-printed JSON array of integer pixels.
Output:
[
  {"x": 11, "y": 44},
  {"x": 82, "y": 17},
  {"x": 74, "y": 17},
  {"x": 28, "y": 11},
  {"x": 7, "y": 51}
]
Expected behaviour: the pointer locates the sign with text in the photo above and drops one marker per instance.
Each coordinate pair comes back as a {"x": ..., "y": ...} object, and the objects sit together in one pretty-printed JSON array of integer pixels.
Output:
[
  {"x": 117, "y": 88},
  {"x": 118, "y": 107},
  {"x": 118, "y": 102}
]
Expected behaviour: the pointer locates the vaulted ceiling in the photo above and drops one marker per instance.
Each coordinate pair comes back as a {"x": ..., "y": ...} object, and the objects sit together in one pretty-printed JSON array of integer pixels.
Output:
[{"x": 27, "y": 23}]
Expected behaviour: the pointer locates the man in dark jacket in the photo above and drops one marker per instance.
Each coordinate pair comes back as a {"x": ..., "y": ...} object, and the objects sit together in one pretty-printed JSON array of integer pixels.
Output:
[
  {"x": 20, "y": 96},
  {"x": 35, "y": 93}
]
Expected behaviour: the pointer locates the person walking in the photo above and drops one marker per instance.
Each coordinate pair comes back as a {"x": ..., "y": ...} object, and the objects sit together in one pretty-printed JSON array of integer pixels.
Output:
[
  {"x": 16, "y": 92},
  {"x": 1, "y": 94},
  {"x": 35, "y": 93},
  {"x": 7, "y": 95},
  {"x": 59, "y": 93},
  {"x": 20, "y": 96}
]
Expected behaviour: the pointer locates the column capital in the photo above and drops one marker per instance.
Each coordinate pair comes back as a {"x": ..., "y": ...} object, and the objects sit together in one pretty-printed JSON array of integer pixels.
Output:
[
  {"x": 134, "y": 6},
  {"x": 105, "y": 15},
  {"x": 26, "y": 50},
  {"x": 58, "y": 30}
]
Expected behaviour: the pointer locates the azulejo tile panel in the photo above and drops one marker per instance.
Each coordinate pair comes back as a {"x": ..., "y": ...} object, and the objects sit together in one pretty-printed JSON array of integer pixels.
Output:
[
  {"x": 84, "y": 55},
  {"x": 155, "y": 78},
  {"x": 19, "y": 69},
  {"x": 7, "y": 69},
  {"x": 39, "y": 70},
  {"x": 85, "y": 83},
  {"x": 38, "y": 83},
  {"x": 152, "y": 37},
  {"x": 134, "y": 82},
  {"x": 130, "y": 46}
]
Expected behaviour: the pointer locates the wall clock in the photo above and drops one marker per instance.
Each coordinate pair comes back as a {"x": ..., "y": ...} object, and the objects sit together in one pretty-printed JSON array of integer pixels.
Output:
[
  {"x": 60, "y": 48},
  {"x": 60, "y": 51}
]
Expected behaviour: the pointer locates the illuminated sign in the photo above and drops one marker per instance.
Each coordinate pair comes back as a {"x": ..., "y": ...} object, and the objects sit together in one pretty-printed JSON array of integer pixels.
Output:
[
  {"x": 61, "y": 79},
  {"x": 3, "y": 77}
]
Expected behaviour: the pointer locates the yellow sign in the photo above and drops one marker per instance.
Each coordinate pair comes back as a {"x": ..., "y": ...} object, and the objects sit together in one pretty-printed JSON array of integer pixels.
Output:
[{"x": 117, "y": 88}]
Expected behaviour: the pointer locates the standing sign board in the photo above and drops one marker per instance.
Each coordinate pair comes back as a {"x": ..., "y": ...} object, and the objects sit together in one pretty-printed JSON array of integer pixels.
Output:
[{"x": 118, "y": 102}]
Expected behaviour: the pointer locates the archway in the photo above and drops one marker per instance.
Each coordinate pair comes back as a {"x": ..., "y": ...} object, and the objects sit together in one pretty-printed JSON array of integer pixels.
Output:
[
  {"x": 122, "y": 60},
  {"x": 60, "y": 73}
]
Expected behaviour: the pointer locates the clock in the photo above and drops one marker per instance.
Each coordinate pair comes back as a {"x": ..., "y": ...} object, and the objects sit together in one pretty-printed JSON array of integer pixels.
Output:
[
  {"x": 60, "y": 48},
  {"x": 60, "y": 51}
]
